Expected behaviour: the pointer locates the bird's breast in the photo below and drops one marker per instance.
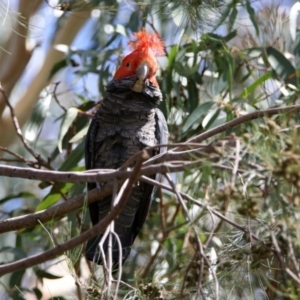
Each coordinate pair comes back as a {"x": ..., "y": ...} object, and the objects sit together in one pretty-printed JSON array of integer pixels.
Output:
[{"x": 121, "y": 133}]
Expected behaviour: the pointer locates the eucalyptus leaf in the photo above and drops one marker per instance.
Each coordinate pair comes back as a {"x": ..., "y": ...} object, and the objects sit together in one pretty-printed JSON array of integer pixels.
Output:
[
  {"x": 282, "y": 66},
  {"x": 251, "y": 88},
  {"x": 68, "y": 119},
  {"x": 294, "y": 12},
  {"x": 54, "y": 196},
  {"x": 74, "y": 158},
  {"x": 44, "y": 274},
  {"x": 79, "y": 135},
  {"x": 251, "y": 13},
  {"x": 197, "y": 115},
  {"x": 210, "y": 117}
]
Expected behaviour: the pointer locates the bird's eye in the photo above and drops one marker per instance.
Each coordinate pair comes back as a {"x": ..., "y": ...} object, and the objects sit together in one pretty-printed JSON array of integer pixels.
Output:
[{"x": 128, "y": 65}]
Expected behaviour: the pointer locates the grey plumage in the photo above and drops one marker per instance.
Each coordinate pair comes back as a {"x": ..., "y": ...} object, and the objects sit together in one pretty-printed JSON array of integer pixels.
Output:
[{"x": 125, "y": 123}]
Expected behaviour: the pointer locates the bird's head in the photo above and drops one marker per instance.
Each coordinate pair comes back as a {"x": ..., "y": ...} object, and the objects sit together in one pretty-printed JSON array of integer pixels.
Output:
[{"x": 141, "y": 61}]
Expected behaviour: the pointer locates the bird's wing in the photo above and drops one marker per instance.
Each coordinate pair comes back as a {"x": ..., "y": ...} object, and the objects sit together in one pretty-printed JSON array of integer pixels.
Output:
[
  {"x": 161, "y": 134},
  {"x": 92, "y": 145},
  {"x": 162, "y": 130},
  {"x": 89, "y": 164}
]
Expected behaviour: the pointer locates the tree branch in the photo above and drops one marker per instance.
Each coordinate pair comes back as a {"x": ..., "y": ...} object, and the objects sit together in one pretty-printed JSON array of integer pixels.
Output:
[
  {"x": 106, "y": 175},
  {"x": 16, "y": 125},
  {"x": 24, "y": 107},
  {"x": 179, "y": 160},
  {"x": 54, "y": 212},
  {"x": 243, "y": 119},
  {"x": 100, "y": 227},
  {"x": 14, "y": 62}
]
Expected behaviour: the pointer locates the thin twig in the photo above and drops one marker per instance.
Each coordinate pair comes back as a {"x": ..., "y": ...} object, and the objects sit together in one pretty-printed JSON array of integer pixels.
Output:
[
  {"x": 120, "y": 266},
  {"x": 243, "y": 119},
  {"x": 39, "y": 159},
  {"x": 203, "y": 256},
  {"x": 202, "y": 264},
  {"x": 212, "y": 231},
  {"x": 20, "y": 157},
  {"x": 175, "y": 191},
  {"x": 293, "y": 256},
  {"x": 198, "y": 203},
  {"x": 55, "y": 96},
  {"x": 236, "y": 162}
]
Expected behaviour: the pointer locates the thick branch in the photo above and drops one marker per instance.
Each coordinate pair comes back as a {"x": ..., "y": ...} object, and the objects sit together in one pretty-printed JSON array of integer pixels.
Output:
[
  {"x": 24, "y": 107},
  {"x": 100, "y": 227},
  {"x": 243, "y": 119},
  {"x": 14, "y": 62},
  {"x": 96, "y": 175},
  {"x": 180, "y": 160},
  {"x": 58, "y": 176},
  {"x": 106, "y": 175},
  {"x": 54, "y": 212}
]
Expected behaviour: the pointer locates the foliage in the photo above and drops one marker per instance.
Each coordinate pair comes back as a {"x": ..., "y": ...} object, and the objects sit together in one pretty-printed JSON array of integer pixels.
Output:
[{"x": 213, "y": 73}]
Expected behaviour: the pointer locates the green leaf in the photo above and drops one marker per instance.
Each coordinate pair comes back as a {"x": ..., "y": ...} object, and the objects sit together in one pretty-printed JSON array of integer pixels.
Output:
[
  {"x": 103, "y": 80},
  {"x": 20, "y": 195},
  {"x": 224, "y": 16},
  {"x": 239, "y": 100},
  {"x": 282, "y": 66},
  {"x": 177, "y": 15},
  {"x": 210, "y": 117},
  {"x": 193, "y": 95},
  {"x": 66, "y": 123},
  {"x": 230, "y": 36},
  {"x": 37, "y": 293},
  {"x": 215, "y": 41},
  {"x": 251, "y": 88},
  {"x": 18, "y": 253},
  {"x": 252, "y": 52},
  {"x": 59, "y": 65},
  {"x": 76, "y": 189},
  {"x": 43, "y": 274},
  {"x": 50, "y": 200},
  {"x": 232, "y": 18},
  {"x": 134, "y": 21},
  {"x": 185, "y": 71},
  {"x": 172, "y": 55},
  {"x": 86, "y": 105},
  {"x": 251, "y": 13},
  {"x": 293, "y": 17},
  {"x": 226, "y": 65},
  {"x": 197, "y": 115},
  {"x": 79, "y": 135},
  {"x": 53, "y": 197},
  {"x": 74, "y": 158},
  {"x": 171, "y": 251},
  {"x": 16, "y": 278},
  {"x": 211, "y": 41},
  {"x": 38, "y": 118}
]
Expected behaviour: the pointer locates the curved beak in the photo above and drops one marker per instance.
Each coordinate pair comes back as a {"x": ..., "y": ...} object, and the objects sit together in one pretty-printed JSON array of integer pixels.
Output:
[{"x": 142, "y": 73}]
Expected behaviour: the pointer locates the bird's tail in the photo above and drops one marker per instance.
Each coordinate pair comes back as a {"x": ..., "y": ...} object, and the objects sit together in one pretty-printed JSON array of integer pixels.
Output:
[{"x": 94, "y": 253}]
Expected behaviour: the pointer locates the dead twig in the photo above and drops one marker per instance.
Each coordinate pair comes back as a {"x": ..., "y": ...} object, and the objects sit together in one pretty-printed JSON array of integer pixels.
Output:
[{"x": 39, "y": 159}]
